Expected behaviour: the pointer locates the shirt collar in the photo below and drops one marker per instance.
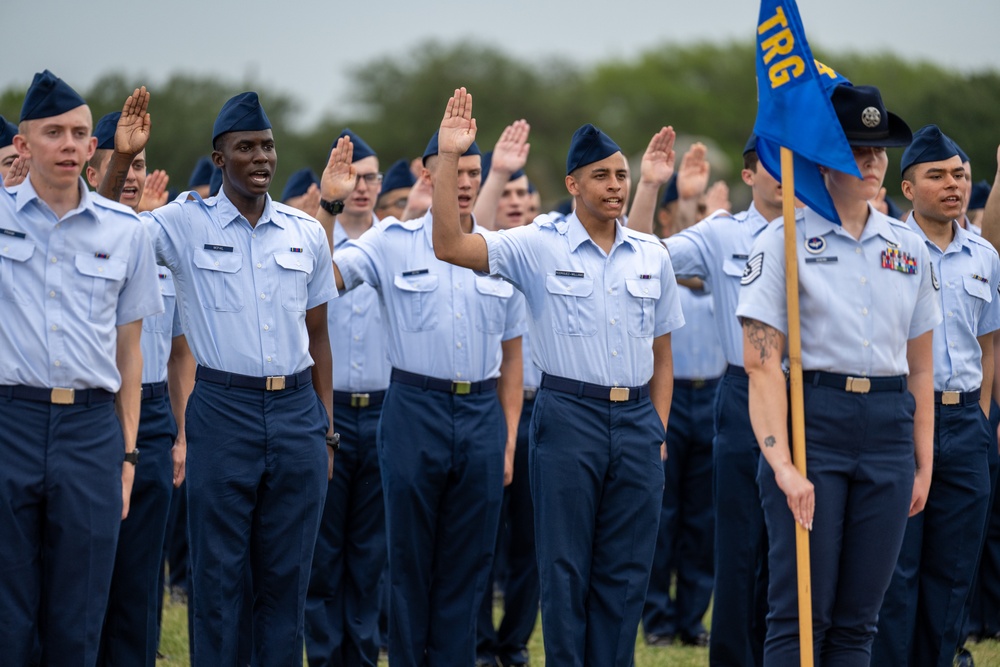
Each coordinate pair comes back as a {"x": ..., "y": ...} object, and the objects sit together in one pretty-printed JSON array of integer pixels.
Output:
[
  {"x": 958, "y": 243},
  {"x": 877, "y": 224},
  {"x": 228, "y": 212},
  {"x": 577, "y": 234},
  {"x": 26, "y": 193},
  {"x": 755, "y": 218}
]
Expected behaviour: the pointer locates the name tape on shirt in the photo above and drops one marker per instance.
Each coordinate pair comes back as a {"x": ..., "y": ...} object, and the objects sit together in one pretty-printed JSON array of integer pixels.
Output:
[
  {"x": 218, "y": 248},
  {"x": 820, "y": 260},
  {"x": 570, "y": 274},
  {"x": 415, "y": 272},
  {"x": 753, "y": 269},
  {"x": 11, "y": 232}
]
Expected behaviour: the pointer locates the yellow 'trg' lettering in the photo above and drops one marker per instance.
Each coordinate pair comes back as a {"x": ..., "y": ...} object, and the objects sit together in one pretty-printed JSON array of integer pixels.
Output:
[
  {"x": 780, "y": 44},
  {"x": 782, "y": 72}
]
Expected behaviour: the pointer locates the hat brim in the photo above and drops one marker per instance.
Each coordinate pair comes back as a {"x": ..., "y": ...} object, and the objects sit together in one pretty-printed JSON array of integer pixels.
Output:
[{"x": 899, "y": 135}]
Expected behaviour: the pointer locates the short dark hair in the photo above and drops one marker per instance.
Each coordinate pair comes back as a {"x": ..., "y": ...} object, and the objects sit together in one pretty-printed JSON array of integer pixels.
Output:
[
  {"x": 750, "y": 160},
  {"x": 909, "y": 173}
]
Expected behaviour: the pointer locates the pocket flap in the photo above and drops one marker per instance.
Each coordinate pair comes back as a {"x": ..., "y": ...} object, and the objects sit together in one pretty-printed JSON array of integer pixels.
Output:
[
  {"x": 978, "y": 288},
  {"x": 643, "y": 288},
  {"x": 212, "y": 260},
  {"x": 110, "y": 268},
  {"x": 18, "y": 250},
  {"x": 734, "y": 267},
  {"x": 569, "y": 285},
  {"x": 294, "y": 261},
  {"x": 494, "y": 286},
  {"x": 425, "y": 282}
]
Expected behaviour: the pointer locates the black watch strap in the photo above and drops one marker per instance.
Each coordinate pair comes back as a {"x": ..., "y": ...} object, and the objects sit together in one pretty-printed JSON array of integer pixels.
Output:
[
  {"x": 332, "y": 207},
  {"x": 333, "y": 441},
  {"x": 132, "y": 457}
]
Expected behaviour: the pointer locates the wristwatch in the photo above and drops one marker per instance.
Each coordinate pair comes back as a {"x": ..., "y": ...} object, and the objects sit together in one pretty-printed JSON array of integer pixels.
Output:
[
  {"x": 333, "y": 441},
  {"x": 332, "y": 207},
  {"x": 132, "y": 457}
]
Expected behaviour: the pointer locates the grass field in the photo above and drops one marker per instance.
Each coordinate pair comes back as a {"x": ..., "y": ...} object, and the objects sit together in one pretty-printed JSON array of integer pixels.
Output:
[{"x": 175, "y": 645}]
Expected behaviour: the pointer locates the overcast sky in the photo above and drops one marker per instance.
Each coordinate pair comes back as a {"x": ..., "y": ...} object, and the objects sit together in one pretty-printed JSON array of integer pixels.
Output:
[{"x": 306, "y": 48}]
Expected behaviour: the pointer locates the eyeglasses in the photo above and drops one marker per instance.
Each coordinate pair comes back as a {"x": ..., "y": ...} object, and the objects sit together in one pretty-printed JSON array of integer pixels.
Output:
[{"x": 369, "y": 179}]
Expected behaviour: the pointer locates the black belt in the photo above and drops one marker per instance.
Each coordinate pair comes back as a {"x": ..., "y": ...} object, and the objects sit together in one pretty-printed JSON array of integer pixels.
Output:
[
  {"x": 855, "y": 385},
  {"x": 956, "y": 397},
  {"x": 437, "y": 384},
  {"x": 530, "y": 393},
  {"x": 588, "y": 390},
  {"x": 736, "y": 371},
  {"x": 270, "y": 383},
  {"x": 368, "y": 399},
  {"x": 56, "y": 395},
  {"x": 154, "y": 390},
  {"x": 695, "y": 384}
]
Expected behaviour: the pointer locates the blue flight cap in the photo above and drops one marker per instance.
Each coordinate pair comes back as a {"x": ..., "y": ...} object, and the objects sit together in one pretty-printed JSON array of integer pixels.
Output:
[
  {"x": 242, "y": 113},
  {"x": 670, "y": 193},
  {"x": 980, "y": 193},
  {"x": 531, "y": 188},
  {"x": 751, "y": 144},
  {"x": 361, "y": 149},
  {"x": 215, "y": 184},
  {"x": 432, "y": 149},
  {"x": 929, "y": 144},
  {"x": 105, "y": 130},
  {"x": 7, "y": 132},
  {"x": 488, "y": 162},
  {"x": 565, "y": 207},
  {"x": 202, "y": 172},
  {"x": 893, "y": 209},
  {"x": 48, "y": 96},
  {"x": 962, "y": 154},
  {"x": 588, "y": 145},
  {"x": 399, "y": 176},
  {"x": 298, "y": 183}
]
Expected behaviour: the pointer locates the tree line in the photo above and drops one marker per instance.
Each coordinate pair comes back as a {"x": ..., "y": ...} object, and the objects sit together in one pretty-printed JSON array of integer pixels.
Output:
[{"x": 706, "y": 91}]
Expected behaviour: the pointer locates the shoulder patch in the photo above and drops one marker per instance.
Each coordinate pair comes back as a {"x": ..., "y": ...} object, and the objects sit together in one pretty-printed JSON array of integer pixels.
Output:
[{"x": 753, "y": 269}]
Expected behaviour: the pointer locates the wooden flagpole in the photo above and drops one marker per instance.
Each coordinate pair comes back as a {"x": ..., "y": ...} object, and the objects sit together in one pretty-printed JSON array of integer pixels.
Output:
[{"x": 797, "y": 403}]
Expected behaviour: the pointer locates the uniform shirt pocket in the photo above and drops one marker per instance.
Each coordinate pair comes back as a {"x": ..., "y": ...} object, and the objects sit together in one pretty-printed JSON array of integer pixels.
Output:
[
  {"x": 977, "y": 288},
  {"x": 14, "y": 256},
  {"x": 102, "y": 281},
  {"x": 572, "y": 305},
  {"x": 733, "y": 267},
  {"x": 492, "y": 303},
  {"x": 415, "y": 298},
  {"x": 164, "y": 322},
  {"x": 293, "y": 278},
  {"x": 218, "y": 281},
  {"x": 641, "y": 307}
]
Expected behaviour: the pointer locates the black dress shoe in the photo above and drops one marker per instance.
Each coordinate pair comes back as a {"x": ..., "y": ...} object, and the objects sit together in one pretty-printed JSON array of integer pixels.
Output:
[
  {"x": 700, "y": 639},
  {"x": 659, "y": 641},
  {"x": 963, "y": 658}
]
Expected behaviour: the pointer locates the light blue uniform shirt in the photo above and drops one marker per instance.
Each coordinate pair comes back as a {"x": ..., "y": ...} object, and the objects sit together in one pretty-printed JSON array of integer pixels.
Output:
[
  {"x": 592, "y": 315},
  {"x": 966, "y": 280},
  {"x": 65, "y": 284},
  {"x": 856, "y": 315},
  {"x": 532, "y": 374},
  {"x": 696, "y": 346},
  {"x": 159, "y": 331},
  {"x": 716, "y": 250},
  {"x": 358, "y": 336},
  {"x": 243, "y": 292},
  {"x": 444, "y": 321}
]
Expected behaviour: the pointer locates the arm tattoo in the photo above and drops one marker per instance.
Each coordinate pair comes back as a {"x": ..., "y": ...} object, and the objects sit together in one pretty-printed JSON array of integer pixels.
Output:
[
  {"x": 769, "y": 441},
  {"x": 763, "y": 338}
]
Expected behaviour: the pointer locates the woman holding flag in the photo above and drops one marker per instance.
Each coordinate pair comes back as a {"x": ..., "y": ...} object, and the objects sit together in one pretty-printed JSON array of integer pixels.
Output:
[{"x": 868, "y": 308}]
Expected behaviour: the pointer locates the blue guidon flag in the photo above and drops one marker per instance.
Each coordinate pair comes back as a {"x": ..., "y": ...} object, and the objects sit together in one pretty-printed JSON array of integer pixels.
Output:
[{"x": 794, "y": 108}]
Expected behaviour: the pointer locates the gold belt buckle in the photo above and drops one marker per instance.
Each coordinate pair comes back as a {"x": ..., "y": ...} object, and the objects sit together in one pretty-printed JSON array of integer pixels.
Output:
[
  {"x": 858, "y": 385},
  {"x": 951, "y": 397},
  {"x": 618, "y": 394},
  {"x": 360, "y": 400},
  {"x": 275, "y": 383},
  {"x": 62, "y": 396},
  {"x": 461, "y": 387}
]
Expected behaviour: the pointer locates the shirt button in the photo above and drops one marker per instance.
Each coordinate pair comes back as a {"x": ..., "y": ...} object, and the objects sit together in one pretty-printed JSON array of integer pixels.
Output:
[
  {"x": 253, "y": 235},
  {"x": 357, "y": 309},
  {"x": 612, "y": 320},
  {"x": 54, "y": 260},
  {"x": 58, "y": 363},
  {"x": 267, "y": 327},
  {"x": 951, "y": 345},
  {"x": 864, "y": 311},
  {"x": 55, "y": 327},
  {"x": 458, "y": 316},
  {"x": 857, "y": 251},
  {"x": 865, "y": 343},
  {"x": 614, "y": 353},
  {"x": 269, "y": 360},
  {"x": 52, "y": 294},
  {"x": 259, "y": 265},
  {"x": 216, "y": 263},
  {"x": 458, "y": 375},
  {"x": 459, "y": 345},
  {"x": 611, "y": 290},
  {"x": 357, "y": 338},
  {"x": 951, "y": 314},
  {"x": 100, "y": 269},
  {"x": 354, "y": 364},
  {"x": 864, "y": 280},
  {"x": 6, "y": 248},
  {"x": 262, "y": 295},
  {"x": 645, "y": 290},
  {"x": 458, "y": 285}
]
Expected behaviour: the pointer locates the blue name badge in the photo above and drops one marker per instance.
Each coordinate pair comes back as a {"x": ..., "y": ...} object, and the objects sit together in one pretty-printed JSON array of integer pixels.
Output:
[
  {"x": 570, "y": 274},
  {"x": 821, "y": 260},
  {"x": 218, "y": 248},
  {"x": 11, "y": 232},
  {"x": 415, "y": 272}
]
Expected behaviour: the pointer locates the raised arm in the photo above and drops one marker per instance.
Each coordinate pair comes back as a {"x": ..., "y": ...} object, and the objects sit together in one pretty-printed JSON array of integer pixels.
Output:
[
  {"x": 656, "y": 169},
  {"x": 509, "y": 155},
  {"x": 131, "y": 137},
  {"x": 991, "y": 213},
  {"x": 457, "y": 132},
  {"x": 336, "y": 184}
]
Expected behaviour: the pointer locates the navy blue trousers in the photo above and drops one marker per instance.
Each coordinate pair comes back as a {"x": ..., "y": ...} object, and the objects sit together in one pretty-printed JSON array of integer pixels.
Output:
[
  {"x": 442, "y": 474},
  {"x": 60, "y": 511},
  {"x": 921, "y": 617},
  {"x": 859, "y": 457},
  {"x": 131, "y": 632},
  {"x": 686, "y": 538},
  {"x": 983, "y": 612},
  {"x": 256, "y": 479},
  {"x": 342, "y": 605},
  {"x": 597, "y": 484},
  {"x": 741, "y": 571},
  {"x": 509, "y": 642}
]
